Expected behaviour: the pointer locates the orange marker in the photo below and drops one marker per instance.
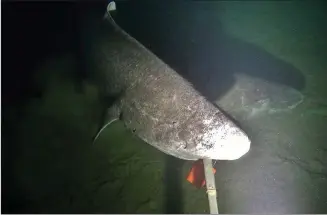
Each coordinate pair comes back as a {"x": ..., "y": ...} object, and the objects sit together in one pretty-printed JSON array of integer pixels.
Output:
[{"x": 196, "y": 175}]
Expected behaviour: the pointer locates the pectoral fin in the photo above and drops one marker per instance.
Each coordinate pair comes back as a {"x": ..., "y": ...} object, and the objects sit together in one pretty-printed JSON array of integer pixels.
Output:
[{"x": 110, "y": 115}]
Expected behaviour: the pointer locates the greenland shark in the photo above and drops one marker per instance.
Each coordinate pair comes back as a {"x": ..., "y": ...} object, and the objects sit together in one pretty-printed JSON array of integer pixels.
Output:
[{"x": 154, "y": 102}]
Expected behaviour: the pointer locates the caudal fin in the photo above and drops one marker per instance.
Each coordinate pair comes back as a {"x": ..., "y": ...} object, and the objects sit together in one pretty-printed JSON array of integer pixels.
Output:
[{"x": 111, "y": 7}]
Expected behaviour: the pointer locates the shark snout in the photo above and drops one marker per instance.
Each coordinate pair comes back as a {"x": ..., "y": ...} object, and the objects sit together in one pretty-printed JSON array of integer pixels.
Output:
[
  {"x": 230, "y": 146},
  {"x": 235, "y": 146}
]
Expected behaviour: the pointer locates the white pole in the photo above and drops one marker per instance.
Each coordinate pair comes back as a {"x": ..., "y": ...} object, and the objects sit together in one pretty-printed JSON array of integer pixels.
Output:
[{"x": 211, "y": 186}]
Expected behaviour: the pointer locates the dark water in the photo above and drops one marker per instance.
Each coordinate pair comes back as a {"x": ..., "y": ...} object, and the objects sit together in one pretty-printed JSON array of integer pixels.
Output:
[{"x": 264, "y": 63}]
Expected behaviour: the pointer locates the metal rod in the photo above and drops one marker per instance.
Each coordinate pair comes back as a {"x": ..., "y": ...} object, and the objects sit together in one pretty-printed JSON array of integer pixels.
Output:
[{"x": 211, "y": 186}]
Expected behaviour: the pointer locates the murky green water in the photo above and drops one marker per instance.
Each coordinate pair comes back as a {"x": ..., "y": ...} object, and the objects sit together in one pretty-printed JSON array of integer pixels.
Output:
[{"x": 55, "y": 169}]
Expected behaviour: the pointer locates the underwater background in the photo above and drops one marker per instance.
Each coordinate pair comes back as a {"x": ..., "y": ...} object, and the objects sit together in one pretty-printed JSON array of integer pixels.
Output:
[{"x": 263, "y": 62}]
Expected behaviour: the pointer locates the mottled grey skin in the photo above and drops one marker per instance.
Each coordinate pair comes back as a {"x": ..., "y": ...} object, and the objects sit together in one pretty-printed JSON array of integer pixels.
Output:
[{"x": 158, "y": 105}]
